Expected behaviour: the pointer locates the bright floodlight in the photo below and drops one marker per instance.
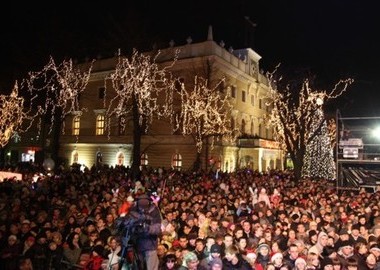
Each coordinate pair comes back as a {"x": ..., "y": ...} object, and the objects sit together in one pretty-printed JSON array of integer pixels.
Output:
[{"x": 376, "y": 132}]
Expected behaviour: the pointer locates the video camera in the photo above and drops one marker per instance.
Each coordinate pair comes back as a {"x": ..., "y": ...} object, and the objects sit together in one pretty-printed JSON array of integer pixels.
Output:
[{"x": 136, "y": 223}]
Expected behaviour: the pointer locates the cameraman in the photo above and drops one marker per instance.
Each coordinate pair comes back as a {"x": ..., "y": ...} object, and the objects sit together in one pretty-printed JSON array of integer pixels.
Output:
[{"x": 146, "y": 231}]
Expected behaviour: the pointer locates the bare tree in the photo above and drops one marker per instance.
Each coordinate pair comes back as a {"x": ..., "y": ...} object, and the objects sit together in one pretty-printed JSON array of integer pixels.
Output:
[
  {"x": 15, "y": 116},
  {"x": 143, "y": 90},
  {"x": 56, "y": 90},
  {"x": 205, "y": 113},
  {"x": 294, "y": 116}
]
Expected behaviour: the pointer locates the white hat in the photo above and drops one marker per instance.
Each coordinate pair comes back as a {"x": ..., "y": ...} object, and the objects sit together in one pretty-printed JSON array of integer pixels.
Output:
[{"x": 276, "y": 256}]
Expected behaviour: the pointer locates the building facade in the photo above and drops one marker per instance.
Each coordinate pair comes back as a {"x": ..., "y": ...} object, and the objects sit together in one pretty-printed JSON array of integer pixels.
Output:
[{"x": 86, "y": 141}]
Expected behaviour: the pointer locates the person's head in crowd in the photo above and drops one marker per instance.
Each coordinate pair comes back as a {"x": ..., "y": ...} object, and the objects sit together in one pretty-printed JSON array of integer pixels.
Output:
[
  {"x": 216, "y": 264},
  {"x": 364, "y": 231},
  {"x": 313, "y": 236},
  {"x": 371, "y": 261},
  {"x": 214, "y": 224},
  {"x": 312, "y": 261},
  {"x": 215, "y": 251},
  {"x": 190, "y": 260},
  {"x": 270, "y": 266},
  {"x": 361, "y": 248},
  {"x": 352, "y": 263},
  {"x": 170, "y": 262},
  {"x": 313, "y": 225},
  {"x": 343, "y": 234},
  {"x": 337, "y": 264},
  {"x": 238, "y": 232},
  {"x": 300, "y": 264},
  {"x": 209, "y": 242},
  {"x": 242, "y": 244},
  {"x": 346, "y": 248},
  {"x": 275, "y": 247},
  {"x": 375, "y": 250},
  {"x": 183, "y": 241},
  {"x": 263, "y": 250},
  {"x": 228, "y": 240},
  {"x": 327, "y": 264},
  {"x": 247, "y": 227},
  {"x": 251, "y": 258},
  {"x": 199, "y": 245},
  {"x": 231, "y": 254},
  {"x": 277, "y": 259},
  {"x": 293, "y": 251},
  {"x": 268, "y": 236}
]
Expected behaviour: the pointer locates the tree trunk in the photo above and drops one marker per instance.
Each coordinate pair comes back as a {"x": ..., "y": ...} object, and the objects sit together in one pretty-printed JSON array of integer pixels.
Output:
[{"x": 137, "y": 133}]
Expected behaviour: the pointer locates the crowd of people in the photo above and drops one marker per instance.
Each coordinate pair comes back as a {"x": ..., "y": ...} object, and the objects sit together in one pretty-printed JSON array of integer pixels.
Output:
[{"x": 102, "y": 219}]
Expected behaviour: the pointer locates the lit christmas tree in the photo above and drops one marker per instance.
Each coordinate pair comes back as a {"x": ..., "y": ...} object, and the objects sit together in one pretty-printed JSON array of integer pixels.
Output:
[{"x": 319, "y": 158}]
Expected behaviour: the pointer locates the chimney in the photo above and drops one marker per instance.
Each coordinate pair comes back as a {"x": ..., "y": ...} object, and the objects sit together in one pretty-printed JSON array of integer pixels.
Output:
[{"x": 209, "y": 35}]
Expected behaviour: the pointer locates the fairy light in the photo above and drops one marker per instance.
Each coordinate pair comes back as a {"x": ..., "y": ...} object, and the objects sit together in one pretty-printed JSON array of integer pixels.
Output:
[
  {"x": 205, "y": 113},
  {"x": 59, "y": 86},
  {"x": 140, "y": 83},
  {"x": 295, "y": 120},
  {"x": 14, "y": 115},
  {"x": 319, "y": 157}
]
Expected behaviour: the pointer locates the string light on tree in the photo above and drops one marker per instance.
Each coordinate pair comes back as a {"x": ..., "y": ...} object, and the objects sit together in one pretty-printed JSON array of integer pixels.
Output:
[
  {"x": 294, "y": 118},
  {"x": 14, "y": 115},
  {"x": 205, "y": 113},
  {"x": 59, "y": 86},
  {"x": 143, "y": 90}
]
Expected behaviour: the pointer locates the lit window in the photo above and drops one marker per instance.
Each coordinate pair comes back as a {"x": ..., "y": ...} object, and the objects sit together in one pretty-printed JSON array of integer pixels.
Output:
[
  {"x": 120, "y": 159},
  {"x": 100, "y": 125},
  {"x": 177, "y": 162},
  {"x": 75, "y": 157},
  {"x": 76, "y": 125},
  {"x": 143, "y": 160}
]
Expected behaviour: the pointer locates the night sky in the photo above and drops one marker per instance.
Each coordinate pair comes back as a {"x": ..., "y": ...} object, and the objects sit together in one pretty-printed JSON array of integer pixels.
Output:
[{"x": 330, "y": 39}]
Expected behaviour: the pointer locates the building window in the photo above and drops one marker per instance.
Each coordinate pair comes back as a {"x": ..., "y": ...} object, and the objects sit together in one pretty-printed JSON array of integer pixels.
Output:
[
  {"x": 100, "y": 125},
  {"x": 101, "y": 92},
  {"x": 243, "y": 96},
  {"x": 260, "y": 130},
  {"x": 260, "y": 103},
  {"x": 252, "y": 128},
  {"x": 267, "y": 133},
  {"x": 253, "y": 100},
  {"x": 76, "y": 125},
  {"x": 233, "y": 91},
  {"x": 99, "y": 158},
  {"x": 120, "y": 158},
  {"x": 143, "y": 160},
  {"x": 177, "y": 162},
  {"x": 75, "y": 157},
  {"x": 242, "y": 128}
]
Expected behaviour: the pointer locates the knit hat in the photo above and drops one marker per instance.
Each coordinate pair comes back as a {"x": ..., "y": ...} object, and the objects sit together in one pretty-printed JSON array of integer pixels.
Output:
[
  {"x": 251, "y": 256},
  {"x": 215, "y": 248},
  {"x": 374, "y": 247},
  {"x": 261, "y": 246},
  {"x": 345, "y": 243}
]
